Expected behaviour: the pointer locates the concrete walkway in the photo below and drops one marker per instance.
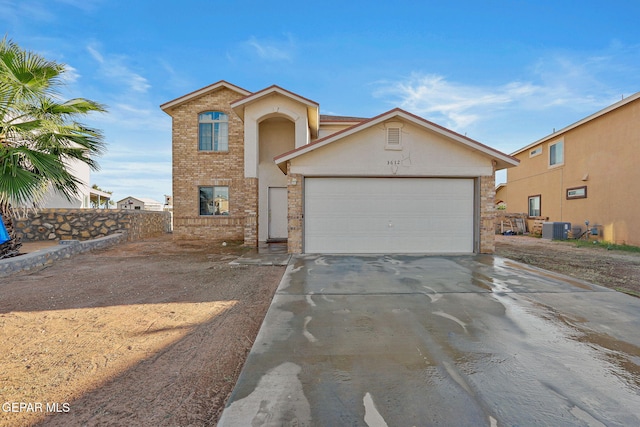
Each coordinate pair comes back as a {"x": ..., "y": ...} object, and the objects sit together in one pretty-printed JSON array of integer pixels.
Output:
[
  {"x": 415, "y": 341},
  {"x": 265, "y": 254}
]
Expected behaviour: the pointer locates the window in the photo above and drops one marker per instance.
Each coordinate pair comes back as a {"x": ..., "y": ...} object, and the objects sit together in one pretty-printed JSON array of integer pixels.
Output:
[
  {"x": 556, "y": 153},
  {"x": 214, "y": 200},
  {"x": 534, "y": 205},
  {"x": 577, "y": 193},
  {"x": 213, "y": 131},
  {"x": 535, "y": 152}
]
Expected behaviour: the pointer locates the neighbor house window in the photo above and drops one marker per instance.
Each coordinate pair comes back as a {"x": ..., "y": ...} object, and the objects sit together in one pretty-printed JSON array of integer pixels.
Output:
[
  {"x": 556, "y": 153},
  {"x": 214, "y": 200},
  {"x": 213, "y": 131},
  {"x": 534, "y": 205},
  {"x": 577, "y": 193},
  {"x": 535, "y": 152}
]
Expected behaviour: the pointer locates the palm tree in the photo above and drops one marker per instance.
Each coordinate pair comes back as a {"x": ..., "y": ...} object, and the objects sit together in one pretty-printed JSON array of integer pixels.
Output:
[{"x": 38, "y": 134}]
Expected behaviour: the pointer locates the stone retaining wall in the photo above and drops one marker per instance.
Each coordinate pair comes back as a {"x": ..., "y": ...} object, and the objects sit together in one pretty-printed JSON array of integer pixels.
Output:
[
  {"x": 85, "y": 224},
  {"x": 65, "y": 249}
]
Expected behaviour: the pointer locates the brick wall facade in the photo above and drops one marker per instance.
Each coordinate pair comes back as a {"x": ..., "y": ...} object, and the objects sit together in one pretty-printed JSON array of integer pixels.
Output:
[
  {"x": 193, "y": 168},
  {"x": 295, "y": 211},
  {"x": 487, "y": 214}
]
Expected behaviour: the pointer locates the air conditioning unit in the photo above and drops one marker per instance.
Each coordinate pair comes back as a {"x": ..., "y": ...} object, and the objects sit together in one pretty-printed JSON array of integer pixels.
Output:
[{"x": 556, "y": 230}]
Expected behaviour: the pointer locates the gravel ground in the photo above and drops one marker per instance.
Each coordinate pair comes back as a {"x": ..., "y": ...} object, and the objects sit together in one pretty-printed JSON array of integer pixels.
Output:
[
  {"x": 612, "y": 269},
  {"x": 154, "y": 333},
  {"x": 148, "y": 333}
]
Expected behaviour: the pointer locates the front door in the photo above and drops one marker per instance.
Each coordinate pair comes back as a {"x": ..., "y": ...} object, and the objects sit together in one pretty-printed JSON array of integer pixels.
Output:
[{"x": 278, "y": 213}]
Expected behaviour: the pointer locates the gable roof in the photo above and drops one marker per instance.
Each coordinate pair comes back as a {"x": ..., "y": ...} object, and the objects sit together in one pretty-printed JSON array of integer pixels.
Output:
[
  {"x": 327, "y": 119},
  {"x": 143, "y": 200},
  {"x": 587, "y": 119},
  {"x": 502, "y": 160},
  {"x": 313, "y": 108},
  {"x": 212, "y": 87}
]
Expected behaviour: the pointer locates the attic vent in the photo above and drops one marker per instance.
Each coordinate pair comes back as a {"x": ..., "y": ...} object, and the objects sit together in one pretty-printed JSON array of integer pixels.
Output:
[{"x": 393, "y": 136}]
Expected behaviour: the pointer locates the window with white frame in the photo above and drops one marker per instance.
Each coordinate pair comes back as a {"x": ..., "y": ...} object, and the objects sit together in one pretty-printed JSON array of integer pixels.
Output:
[
  {"x": 556, "y": 153},
  {"x": 213, "y": 131},
  {"x": 535, "y": 152},
  {"x": 214, "y": 200},
  {"x": 534, "y": 205}
]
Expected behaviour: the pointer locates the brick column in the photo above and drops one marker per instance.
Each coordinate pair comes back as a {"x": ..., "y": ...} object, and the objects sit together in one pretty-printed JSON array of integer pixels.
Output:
[
  {"x": 487, "y": 213},
  {"x": 251, "y": 213},
  {"x": 295, "y": 211}
]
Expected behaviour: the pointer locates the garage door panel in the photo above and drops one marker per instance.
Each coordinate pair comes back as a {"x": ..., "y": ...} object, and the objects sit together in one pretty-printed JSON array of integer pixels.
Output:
[{"x": 380, "y": 215}]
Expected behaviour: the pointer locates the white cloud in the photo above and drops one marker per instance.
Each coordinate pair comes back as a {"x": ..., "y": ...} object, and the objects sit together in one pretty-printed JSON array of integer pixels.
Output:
[
  {"x": 114, "y": 67},
  {"x": 95, "y": 54},
  {"x": 569, "y": 83},
  {"x": 16, "y": 10},
  {"x": 452, "y": 104},
  {"x": 85, "y": 5},
  {"x": 272, "y": 50},
  {"x": 70, "y": 75},
  {"x": 134, "y": 117}
]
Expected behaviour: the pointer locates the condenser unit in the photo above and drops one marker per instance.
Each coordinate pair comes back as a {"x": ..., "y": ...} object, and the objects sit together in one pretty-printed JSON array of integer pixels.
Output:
[{"x": 556, "y": 230}]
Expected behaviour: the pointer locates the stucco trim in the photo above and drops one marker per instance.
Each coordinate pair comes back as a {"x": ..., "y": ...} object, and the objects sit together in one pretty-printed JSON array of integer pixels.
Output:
[{"x": 313, "y": 108}]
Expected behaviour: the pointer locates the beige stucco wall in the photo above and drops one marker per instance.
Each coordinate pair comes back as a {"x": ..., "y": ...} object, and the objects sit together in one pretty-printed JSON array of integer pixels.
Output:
[
  {"x": 601, "y": 154},
  {"x": 274, "y": 105},
  {"x": 276, "y": 137},
  {"x": 424, "y": 153}
]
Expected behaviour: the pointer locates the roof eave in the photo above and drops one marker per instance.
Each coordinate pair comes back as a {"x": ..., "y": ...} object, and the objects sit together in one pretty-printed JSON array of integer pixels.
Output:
[
  {"x": 313, "y": 108},
  {"x": 168, "y": 106},
  {"x": 587, "y": 119},
  {"x": 502, "y": 160}
]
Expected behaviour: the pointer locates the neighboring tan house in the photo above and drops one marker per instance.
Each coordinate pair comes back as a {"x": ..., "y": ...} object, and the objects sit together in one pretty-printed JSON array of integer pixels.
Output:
[
  {"x": 584, "y": 172},
  {"x": 501, "y": 190},
  {"x": 140, "y": 203},
  {"x": 266, "y": 166}
]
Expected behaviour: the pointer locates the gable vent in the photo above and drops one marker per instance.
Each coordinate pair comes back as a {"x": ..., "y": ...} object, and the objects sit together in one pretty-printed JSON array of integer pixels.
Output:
[{"x": 393, "y": 136}]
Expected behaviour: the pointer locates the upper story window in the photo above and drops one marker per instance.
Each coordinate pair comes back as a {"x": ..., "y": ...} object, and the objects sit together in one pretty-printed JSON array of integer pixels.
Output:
[
  {"x": 556, "y": 153},
  {"x": 213, "y": 131},
  {"x": 535, "y": 152}
]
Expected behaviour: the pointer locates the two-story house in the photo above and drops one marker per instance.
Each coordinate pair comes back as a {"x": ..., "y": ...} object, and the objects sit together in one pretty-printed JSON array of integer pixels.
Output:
[
  {"x": 584, "y": 172},
  {"x": 266, "y": 166}
]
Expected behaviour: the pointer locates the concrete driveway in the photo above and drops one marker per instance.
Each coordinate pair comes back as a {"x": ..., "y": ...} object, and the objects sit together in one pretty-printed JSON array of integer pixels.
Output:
[{"x": 431, "y": 340}]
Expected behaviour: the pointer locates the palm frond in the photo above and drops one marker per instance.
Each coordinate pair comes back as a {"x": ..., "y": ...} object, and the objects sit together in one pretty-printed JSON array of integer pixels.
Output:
[{"x": 39, "y": 135}]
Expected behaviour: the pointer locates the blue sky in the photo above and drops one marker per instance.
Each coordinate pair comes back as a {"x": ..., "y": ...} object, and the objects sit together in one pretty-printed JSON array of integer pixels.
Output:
[{"x": 505, "y": 73}]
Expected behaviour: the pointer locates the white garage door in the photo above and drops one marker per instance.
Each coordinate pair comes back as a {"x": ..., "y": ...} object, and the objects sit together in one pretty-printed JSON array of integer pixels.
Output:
[{"x": 388, "y": 215}]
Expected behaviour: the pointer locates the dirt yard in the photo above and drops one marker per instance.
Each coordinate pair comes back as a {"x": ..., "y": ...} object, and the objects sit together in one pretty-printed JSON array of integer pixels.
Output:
[
  {"x": 144, "y": 334},
  {"x": 154, "y": 334},
  {"x": 613, "y": 269}
]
